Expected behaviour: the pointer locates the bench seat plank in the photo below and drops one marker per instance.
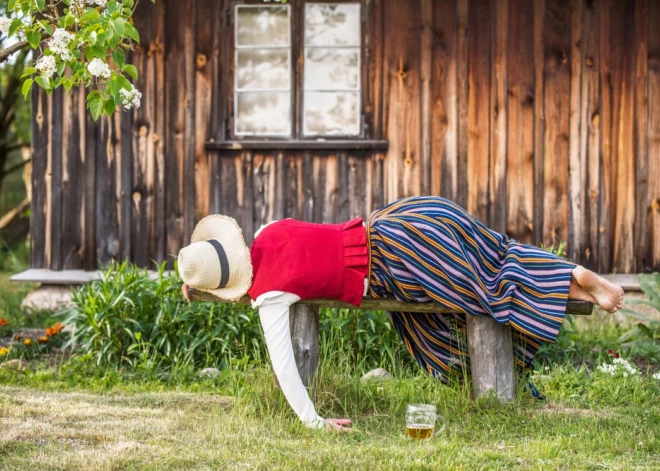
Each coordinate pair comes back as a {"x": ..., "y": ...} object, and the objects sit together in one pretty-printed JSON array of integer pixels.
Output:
[{"x": 578, "y": 308}]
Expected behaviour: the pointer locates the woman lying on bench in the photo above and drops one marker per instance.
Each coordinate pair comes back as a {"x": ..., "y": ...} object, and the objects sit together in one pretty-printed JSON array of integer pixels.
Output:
[{"x": 416, "y": 250}]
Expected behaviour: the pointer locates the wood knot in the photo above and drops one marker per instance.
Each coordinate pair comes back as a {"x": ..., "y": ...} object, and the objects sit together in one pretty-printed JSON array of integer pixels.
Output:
[
  {"x": 595, "y": 119},
  {"x": 589, "y": 62},
  {"x": 594, "y": 195},
  {"x": 587, "y": 253},
  {"x": 143, "y": 131},
  {"x": 137, "y": 197},
  {"x": 201, "y": 60},
  {"x": 655, "y": 206},
  {"x": 601, "y": 229},
  {"x": 155, "y": 137},
  {"x": 564, "y": 58}
]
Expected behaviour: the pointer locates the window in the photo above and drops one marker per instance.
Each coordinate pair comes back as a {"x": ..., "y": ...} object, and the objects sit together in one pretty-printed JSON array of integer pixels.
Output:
[{"x": 265, "y": 98}]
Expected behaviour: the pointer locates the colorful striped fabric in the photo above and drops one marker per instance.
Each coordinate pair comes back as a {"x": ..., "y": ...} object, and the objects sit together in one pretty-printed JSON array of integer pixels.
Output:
[{"x": 427, "y": 249}]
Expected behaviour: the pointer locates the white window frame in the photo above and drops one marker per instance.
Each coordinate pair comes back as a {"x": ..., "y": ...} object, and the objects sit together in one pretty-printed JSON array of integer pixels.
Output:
[
  {"x": 238, "y": 91},
  {"x": 358, "y": 90}
]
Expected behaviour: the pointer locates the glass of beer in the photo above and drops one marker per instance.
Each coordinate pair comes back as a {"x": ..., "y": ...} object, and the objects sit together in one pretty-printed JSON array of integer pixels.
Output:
[{"x": 421, "y": 420}]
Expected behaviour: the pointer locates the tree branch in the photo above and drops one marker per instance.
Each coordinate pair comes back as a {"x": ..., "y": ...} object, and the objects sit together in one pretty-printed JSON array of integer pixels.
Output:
[
  {"x": 8, "y": 51},
  {"x": 14, "y": 167}
]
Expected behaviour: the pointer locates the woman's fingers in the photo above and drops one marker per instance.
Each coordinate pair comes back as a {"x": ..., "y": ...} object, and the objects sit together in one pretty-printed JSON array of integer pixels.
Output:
[
  {"x": 340, "y": 425},
  {"x": 184, "y": 288}
]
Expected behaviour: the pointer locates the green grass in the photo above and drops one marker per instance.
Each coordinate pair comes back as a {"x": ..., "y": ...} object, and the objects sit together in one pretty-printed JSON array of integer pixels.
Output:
[{"x": 240, "y": 421}]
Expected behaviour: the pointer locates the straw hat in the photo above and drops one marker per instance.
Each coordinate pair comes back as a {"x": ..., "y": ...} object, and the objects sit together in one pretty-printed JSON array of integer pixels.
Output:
[{"x": 217, "y": 261}]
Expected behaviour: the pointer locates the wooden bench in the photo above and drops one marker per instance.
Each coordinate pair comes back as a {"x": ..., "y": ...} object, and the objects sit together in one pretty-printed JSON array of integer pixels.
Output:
[{"x": 489, "y": 343}]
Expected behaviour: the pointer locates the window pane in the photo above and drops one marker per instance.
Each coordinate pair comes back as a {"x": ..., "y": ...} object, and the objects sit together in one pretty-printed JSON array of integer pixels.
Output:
[
  {"x": 262, "y": 69},
  {"x": 331, "y": 69},
  {"x": 331, "y": 113},
  {"x": 332, "y": 24},
  {"x": 263, "y": 113},
  {"x": 262, "y": 26}
]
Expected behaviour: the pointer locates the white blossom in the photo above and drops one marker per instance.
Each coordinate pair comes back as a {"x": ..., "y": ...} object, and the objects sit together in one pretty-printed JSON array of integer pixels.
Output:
[
  {"x": 5, "y": 23},
  {"x": 46, "y": 66},
  {"x": 130, "y": 98},
  {"x": 656, "y": 376},
  {"x": 59, "y": 43},
  {"x": 619, "y": 365},
  {"x": 100, "y": 3},
  {"x": 98, "y": 68}
]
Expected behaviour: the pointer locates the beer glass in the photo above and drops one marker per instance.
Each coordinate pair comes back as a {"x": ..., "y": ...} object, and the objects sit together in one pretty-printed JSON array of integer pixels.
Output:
[{"x": 421, "y": 420}]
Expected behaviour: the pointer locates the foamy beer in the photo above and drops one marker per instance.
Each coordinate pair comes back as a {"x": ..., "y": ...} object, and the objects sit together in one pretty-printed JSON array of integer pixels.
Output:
[{"x": 420, "y": 421}]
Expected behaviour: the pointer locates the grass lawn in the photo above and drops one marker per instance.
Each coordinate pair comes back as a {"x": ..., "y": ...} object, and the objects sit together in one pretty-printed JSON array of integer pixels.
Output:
[{"x": 588, "y": 422}]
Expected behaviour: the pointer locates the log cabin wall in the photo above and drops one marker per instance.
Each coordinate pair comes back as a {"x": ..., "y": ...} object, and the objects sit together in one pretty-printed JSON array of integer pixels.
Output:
[{"x": 541, "y": 118}]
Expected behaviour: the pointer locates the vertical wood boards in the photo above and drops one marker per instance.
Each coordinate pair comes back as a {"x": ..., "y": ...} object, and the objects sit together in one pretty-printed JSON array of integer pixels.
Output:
[
  {"x": 478, "y": 137},
  {"x": 176, "y": 164},
  {"x": 402, "y": 64},
  {"x": 444, "y": 100},
  {"x": 640, "y": 179},
  {"x": 55, "y": 171},
  {"x": 40, "y": 142},
  {"x": 605, "y": 213},
  {"x": 520, "y": 138},
  {"x": 498, "y": 115},
  {"x": 556, "y": 96},
  {"x": 590, "y": 132},
  {"x": 72, "y": 197},
  {"x": 623, "y": 128},
  {"x": 652, "y": 206},
  {"x": 576, "y": 164},
  {"x": 142, "y": 132},
  {"x": 537, "y": 117}
]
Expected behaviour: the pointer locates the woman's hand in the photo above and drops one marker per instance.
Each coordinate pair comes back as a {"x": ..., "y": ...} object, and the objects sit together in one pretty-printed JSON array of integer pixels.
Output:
[
  {"x": 184, "y": 288},
  {"x": 340, "y": 425}
]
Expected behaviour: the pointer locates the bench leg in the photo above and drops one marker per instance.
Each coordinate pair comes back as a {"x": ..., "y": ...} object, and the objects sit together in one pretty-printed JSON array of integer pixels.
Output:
[
  {"x": 304, "y": 326},
  {"x": 491, "y": 358}
]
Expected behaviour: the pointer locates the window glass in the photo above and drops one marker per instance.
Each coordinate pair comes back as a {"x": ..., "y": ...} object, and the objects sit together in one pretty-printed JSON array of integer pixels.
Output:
[
  {"x": 262, "y": 78},
  {"x": 332, "y": 69}
]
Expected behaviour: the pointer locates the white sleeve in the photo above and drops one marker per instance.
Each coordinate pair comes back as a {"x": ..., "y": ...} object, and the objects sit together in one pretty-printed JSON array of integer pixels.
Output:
[{"x": 274, "y": 317}]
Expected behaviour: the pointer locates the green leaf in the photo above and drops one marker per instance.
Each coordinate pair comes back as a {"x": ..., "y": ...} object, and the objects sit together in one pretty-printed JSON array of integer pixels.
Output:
[
  {"x": 131, "y": 70},
  {"x": 46, "y": 27},
  {"x": 14, "y": 26},
  {"x": 28, "y": 71},
  {"x": 90, "y": 15},
  {"x": 60, "y": 67},
  {"x": 132, "y": 33},
  {"x": 96, "y": 109},
  {"x": 27, "y": 85},
  {"x": 40, "y": 5},
  {"x": 11, "y": 5},
  {"x": 34, "y": 38},
  {"x": 109, "y": 107},
  {"x": 68, "y": 83},
  {"x": 118, "y": 25},
  {"x": 119, "y": 57},
  {"x": 42, "y": 82}
]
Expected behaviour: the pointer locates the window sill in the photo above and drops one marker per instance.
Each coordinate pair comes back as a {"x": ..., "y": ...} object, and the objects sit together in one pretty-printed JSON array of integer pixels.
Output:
[{"x": 297, "y": 145}]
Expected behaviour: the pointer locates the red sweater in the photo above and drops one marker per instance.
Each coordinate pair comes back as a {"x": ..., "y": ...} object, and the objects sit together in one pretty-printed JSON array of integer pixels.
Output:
[{"x": 313, "y": 261}]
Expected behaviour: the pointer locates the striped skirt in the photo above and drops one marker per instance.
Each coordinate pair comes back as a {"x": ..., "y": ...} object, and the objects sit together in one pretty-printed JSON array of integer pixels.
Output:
[{"x": 428, "y": 249}]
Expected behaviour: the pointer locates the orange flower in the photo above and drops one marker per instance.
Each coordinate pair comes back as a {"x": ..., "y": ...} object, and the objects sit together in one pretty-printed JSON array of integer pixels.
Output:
[
  {"x": 55, "y": 329},
  {"x": 3, "y": 351},
  {"x": 49, "y": 332},
  {"x": 3, "y": 322},
  {"x": 43, "y": 339},
  {"x": 27, "y": 342}
]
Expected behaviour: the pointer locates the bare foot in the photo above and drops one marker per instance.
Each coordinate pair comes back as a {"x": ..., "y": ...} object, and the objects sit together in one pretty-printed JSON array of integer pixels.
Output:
[{"x": 608, "y": 295}]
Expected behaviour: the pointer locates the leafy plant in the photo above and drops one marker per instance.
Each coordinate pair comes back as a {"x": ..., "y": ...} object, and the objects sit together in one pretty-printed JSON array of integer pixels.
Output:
[
  {"x": 127, "y": 318},
  {"x": 644, "y": 338}
]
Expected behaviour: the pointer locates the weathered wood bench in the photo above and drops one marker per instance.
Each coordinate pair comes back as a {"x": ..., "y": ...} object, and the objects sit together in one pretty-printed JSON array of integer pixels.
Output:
[{"x": 489, "y": 343}]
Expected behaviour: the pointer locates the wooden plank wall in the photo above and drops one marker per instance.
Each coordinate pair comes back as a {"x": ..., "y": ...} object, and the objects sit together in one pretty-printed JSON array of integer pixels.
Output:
[{"x": 541, "y": 118}]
